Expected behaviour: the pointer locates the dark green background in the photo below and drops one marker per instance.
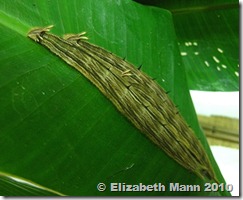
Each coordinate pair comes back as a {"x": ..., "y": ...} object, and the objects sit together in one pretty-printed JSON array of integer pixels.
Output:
[{"x": 57, "y": 129}]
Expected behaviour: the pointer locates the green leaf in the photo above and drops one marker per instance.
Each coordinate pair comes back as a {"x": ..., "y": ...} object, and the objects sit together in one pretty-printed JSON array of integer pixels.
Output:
[
  {"x": 56, "y": 129},
  {"x": 16, "y": 186},
  {"x": 208, "y": 36}
]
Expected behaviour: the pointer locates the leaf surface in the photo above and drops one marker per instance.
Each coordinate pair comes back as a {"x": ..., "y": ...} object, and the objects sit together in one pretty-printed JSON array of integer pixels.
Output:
[{"x": 57, "y": 129}]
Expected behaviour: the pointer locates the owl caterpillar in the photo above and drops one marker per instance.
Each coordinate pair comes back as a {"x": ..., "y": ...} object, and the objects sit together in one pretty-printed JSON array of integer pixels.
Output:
[{"x": 135, "y": 95}]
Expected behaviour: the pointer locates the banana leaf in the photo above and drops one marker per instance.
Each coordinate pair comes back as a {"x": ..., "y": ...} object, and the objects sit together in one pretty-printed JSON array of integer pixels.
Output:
[
  {"x": 57, "y": 131},
  {"x": 208, "y": 37}
]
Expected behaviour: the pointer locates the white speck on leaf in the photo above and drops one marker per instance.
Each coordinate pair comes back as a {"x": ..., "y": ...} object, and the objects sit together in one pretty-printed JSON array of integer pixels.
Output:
[
  {"x": 216, "y": 59},
  {"x": 183, "y": 53},
  {"x": 206, "y": 63},
  {"x": 220, "y": 50}
]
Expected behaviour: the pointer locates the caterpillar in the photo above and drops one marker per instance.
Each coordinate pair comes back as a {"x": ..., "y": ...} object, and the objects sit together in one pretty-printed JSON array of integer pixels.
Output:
[{"x": 134, "y": 94}]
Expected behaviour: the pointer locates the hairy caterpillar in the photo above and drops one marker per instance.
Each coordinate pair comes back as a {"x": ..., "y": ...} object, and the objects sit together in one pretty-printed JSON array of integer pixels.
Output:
[{"x": 135, "y": 95}]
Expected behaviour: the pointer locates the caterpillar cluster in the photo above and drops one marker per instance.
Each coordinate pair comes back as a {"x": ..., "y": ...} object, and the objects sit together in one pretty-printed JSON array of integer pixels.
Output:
[{"x": 135, "y": 95}]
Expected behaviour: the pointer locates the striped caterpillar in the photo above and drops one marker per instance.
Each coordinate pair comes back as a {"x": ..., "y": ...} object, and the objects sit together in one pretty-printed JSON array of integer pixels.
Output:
[{"x": 135, "y": 95}]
